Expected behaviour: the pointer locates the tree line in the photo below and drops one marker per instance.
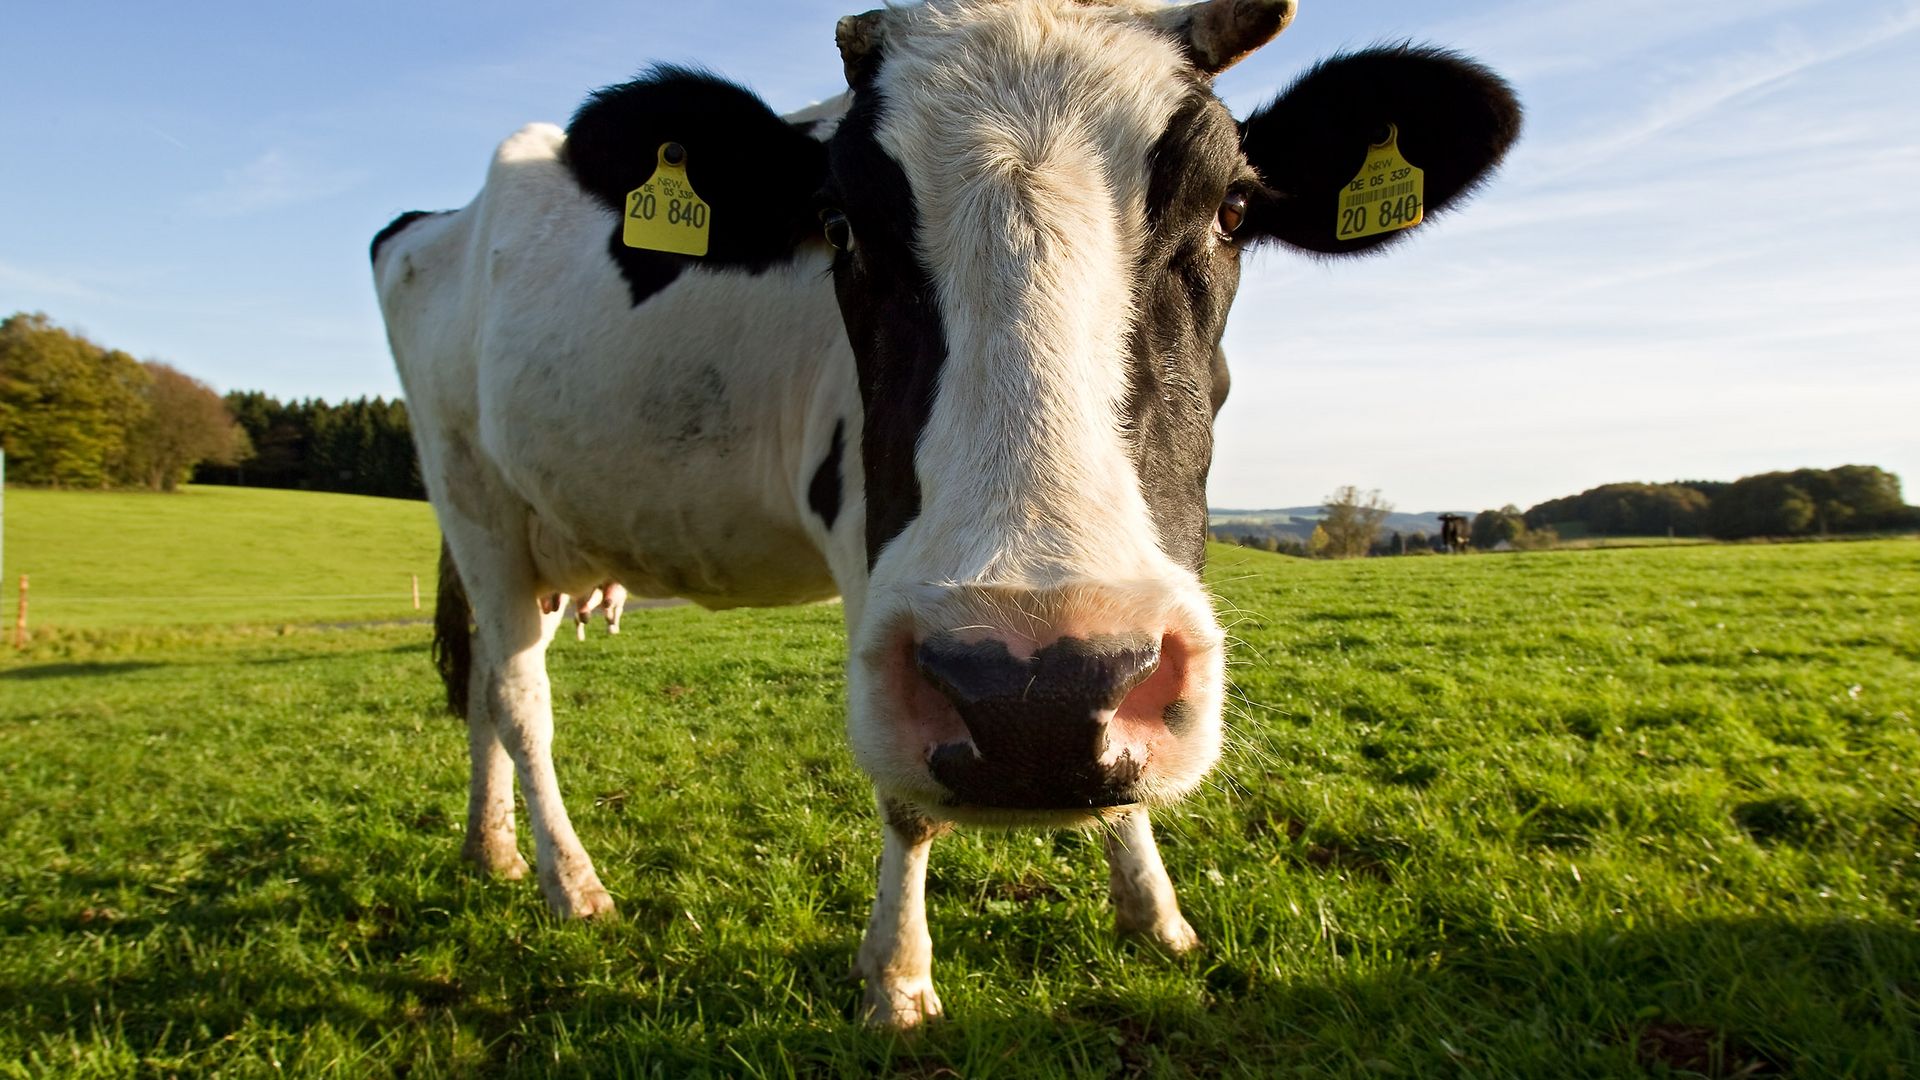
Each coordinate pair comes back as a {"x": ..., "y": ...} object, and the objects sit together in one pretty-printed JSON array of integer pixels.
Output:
[
  {"x": 359, "y": 447},
  {"x": 76, "y": 414},
  {"x": 1800, "y": 502}
]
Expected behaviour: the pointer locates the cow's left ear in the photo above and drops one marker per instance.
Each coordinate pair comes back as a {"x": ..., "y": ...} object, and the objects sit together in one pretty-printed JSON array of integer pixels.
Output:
[
  {"x": 1455, "y": 120},
  {"x": 757, "y": 173}
]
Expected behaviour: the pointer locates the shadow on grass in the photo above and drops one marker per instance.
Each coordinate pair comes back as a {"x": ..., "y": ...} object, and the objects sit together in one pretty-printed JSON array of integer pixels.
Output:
[
  {"x": 78, "y": 670},
  {"x": 1722, "y": 998}
]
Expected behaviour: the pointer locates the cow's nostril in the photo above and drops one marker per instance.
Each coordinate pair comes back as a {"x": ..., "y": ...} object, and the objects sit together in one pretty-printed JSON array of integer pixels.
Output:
[
  {"x": 971, "y": 672},
  {"x": 1095, "y": 673},
  {"x": 1041, "y": 727}
]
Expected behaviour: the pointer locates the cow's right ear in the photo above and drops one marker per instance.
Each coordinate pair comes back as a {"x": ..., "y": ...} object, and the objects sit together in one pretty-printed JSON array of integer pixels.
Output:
[
  {"x": 757, "y": 173},
  {"x": 1455, "y": 120}
]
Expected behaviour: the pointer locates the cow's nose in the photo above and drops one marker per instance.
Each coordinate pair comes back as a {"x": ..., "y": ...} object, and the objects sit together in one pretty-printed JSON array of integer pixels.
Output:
[{"x": 1041, "y": 726}]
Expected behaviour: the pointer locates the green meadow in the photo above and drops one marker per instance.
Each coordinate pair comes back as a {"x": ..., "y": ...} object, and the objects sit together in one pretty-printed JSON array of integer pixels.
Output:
[
  {"x": 215, "y": 555},
  {"x": 1648, "y": 812}
]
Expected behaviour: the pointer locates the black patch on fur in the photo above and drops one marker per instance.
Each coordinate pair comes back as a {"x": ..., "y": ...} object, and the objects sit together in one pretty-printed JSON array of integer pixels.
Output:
[
  {"x": 757, "y": 172},
  {"x": 1186, "y": 281},
  {"x": 395, "y": 228},
  {"x": 892, "y": 318},
  {"x": 913, "y": 825},
  {"x": 1456, "y": 121},
  {"x": 824, "y": 494},
  {"x": 646, "y": 272}
]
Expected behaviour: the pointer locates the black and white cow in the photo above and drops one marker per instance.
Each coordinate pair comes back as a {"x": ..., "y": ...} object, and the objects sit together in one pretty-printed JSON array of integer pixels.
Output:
[{"x": 952, "y": 355}]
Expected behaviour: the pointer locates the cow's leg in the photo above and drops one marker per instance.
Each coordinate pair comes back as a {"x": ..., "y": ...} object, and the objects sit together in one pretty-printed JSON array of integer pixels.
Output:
[
  {"x": 490, "y": 841},
  {"x": 896, "y": 958},
  {"x": 513, "y": 625},
  {"x": 1143, "y": 900},
  {"x": 616, "y": 603}
]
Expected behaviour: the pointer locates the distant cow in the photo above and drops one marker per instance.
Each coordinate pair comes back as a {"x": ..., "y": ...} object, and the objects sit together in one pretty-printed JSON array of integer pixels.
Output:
[
  {"x": 949, "y": 353},
  {"x": 1453, "y": 533},
  {"x": 609, "y": 596}
]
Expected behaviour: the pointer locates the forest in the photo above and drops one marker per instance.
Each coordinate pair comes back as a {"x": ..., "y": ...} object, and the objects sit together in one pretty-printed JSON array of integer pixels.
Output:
[{"x": 77, "y": 414}]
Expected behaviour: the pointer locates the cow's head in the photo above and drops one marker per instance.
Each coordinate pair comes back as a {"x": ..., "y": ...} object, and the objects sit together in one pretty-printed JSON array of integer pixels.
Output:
[{"x": 1037, "y": 210}]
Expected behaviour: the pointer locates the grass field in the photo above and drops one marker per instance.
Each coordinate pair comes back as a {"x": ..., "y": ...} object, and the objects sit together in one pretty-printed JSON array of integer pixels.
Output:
[
  {"x": 215, "y": 555},
  {"x": 1606, "y": 813}
]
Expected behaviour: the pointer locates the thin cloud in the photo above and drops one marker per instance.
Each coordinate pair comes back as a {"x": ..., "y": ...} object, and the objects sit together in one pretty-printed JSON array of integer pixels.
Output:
[
  {"x": 1733, "y": 78},
  {"x": 164, "y": 137},
  {"x": 271, "y": 181},
  {"x": 1531, "y": 40}
]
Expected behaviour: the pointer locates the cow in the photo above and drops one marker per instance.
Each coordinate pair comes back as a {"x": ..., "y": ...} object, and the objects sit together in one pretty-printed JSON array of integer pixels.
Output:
[
  {"x": 1453, "y": 533},
  {"x": 608, "y": 596},
  {"x": 951, "y": 352}
]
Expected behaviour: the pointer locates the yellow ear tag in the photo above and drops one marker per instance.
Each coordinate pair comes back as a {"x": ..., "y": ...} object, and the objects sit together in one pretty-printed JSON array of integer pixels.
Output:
[
  {"x": 664, "y": 214},
  {"x": 1388, "y": 195}
]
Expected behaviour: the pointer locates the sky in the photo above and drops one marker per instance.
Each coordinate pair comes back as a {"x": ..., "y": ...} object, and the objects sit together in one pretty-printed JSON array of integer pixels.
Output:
[{"x": 1698, "y": 263}]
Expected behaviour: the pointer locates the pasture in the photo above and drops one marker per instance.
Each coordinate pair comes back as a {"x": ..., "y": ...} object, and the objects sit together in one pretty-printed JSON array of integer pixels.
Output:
[
  {"x": 216, "y": 555},
  {"x": 1598, "y": 813}
]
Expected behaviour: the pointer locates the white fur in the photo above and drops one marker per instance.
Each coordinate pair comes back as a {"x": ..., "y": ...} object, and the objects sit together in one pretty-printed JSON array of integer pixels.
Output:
[
  {"x": 896, "y": 955},
  {"x": 1023, "y": 127}
]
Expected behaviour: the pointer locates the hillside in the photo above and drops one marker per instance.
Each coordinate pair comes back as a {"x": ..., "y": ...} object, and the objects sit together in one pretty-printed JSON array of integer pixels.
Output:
[
  {"x": 1298, "y": 521},
  {"x": 216, "y": 554}
]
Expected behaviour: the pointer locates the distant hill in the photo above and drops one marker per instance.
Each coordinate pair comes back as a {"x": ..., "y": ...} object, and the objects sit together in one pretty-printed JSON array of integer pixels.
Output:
[{"x": 1298, "y": 521}]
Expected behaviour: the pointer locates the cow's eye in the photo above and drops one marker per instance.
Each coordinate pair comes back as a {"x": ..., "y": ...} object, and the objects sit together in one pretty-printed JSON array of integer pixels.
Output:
[
  {"x": 839, "y": 232},
  {"x": 1233, "y": 213}
]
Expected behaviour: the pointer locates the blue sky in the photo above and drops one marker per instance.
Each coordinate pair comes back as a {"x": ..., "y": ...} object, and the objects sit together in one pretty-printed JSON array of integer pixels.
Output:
[{"x": 1700, "y": 262}]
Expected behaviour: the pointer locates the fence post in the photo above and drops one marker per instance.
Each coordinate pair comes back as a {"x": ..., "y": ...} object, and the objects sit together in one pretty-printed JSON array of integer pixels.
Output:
[
  {"x": 20, "y": 620},
  {"x": 416, "y": 592}
]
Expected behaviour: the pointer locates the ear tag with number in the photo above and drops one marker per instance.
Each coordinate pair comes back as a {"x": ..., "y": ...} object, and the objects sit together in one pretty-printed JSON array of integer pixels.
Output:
[
  {"x": 1388, "y": 195},
  {"x": 664, "y": 214}
]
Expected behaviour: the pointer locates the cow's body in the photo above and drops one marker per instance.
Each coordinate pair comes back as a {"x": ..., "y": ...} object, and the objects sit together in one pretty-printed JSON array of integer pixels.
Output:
[
  {"x": 722, "y": 391},
  {"x": 952, "y": 355}
]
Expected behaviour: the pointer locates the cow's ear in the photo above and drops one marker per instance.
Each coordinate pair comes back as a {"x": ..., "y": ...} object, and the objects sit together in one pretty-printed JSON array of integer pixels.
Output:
[
  {"x": 757, "y": 173},
  {"x": 1455, "y": 120}
]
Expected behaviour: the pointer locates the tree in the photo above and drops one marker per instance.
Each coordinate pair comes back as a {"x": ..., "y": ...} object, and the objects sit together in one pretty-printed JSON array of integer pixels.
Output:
[
  {"x": 66, "y": 405},
  {"x": 363, "y": 447},
  {"x": 1352, "y": 521},
  {"x": 1318, "y": 544},
  {"x": 1627, "y": 510},
  {"x": 1491, "y": 528},
  {"x": 185, "y": 423},
  {"x": 1851, "y": 498}
]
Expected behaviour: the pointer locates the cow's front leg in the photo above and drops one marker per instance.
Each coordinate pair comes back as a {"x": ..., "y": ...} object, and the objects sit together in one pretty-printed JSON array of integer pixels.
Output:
[
  {"x": 523, "y": 715},
  {"x": 896, "y": 958},
  {"x": 1143, "y": 900},
  {"x": 512, "y": 628}
]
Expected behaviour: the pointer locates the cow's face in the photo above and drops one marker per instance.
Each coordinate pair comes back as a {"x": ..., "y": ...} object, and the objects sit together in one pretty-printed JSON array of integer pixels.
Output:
[{"x": 1038, "y": 210}]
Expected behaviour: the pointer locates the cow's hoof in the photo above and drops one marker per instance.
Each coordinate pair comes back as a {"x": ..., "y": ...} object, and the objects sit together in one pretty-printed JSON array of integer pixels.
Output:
[
  {"x": 579, "y": 898},
  {"x": 1171, "y": 936},
  {"x": 495, "y": 861},
  {"x": 902, "y": 1006}
]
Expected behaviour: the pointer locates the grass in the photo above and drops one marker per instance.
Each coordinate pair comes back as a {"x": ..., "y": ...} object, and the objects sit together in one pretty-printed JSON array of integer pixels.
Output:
[
  {"x": 1584, "y": 543},
  {"x": 1608, "y": 813},
  {"x": 215, "y": 555}
]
